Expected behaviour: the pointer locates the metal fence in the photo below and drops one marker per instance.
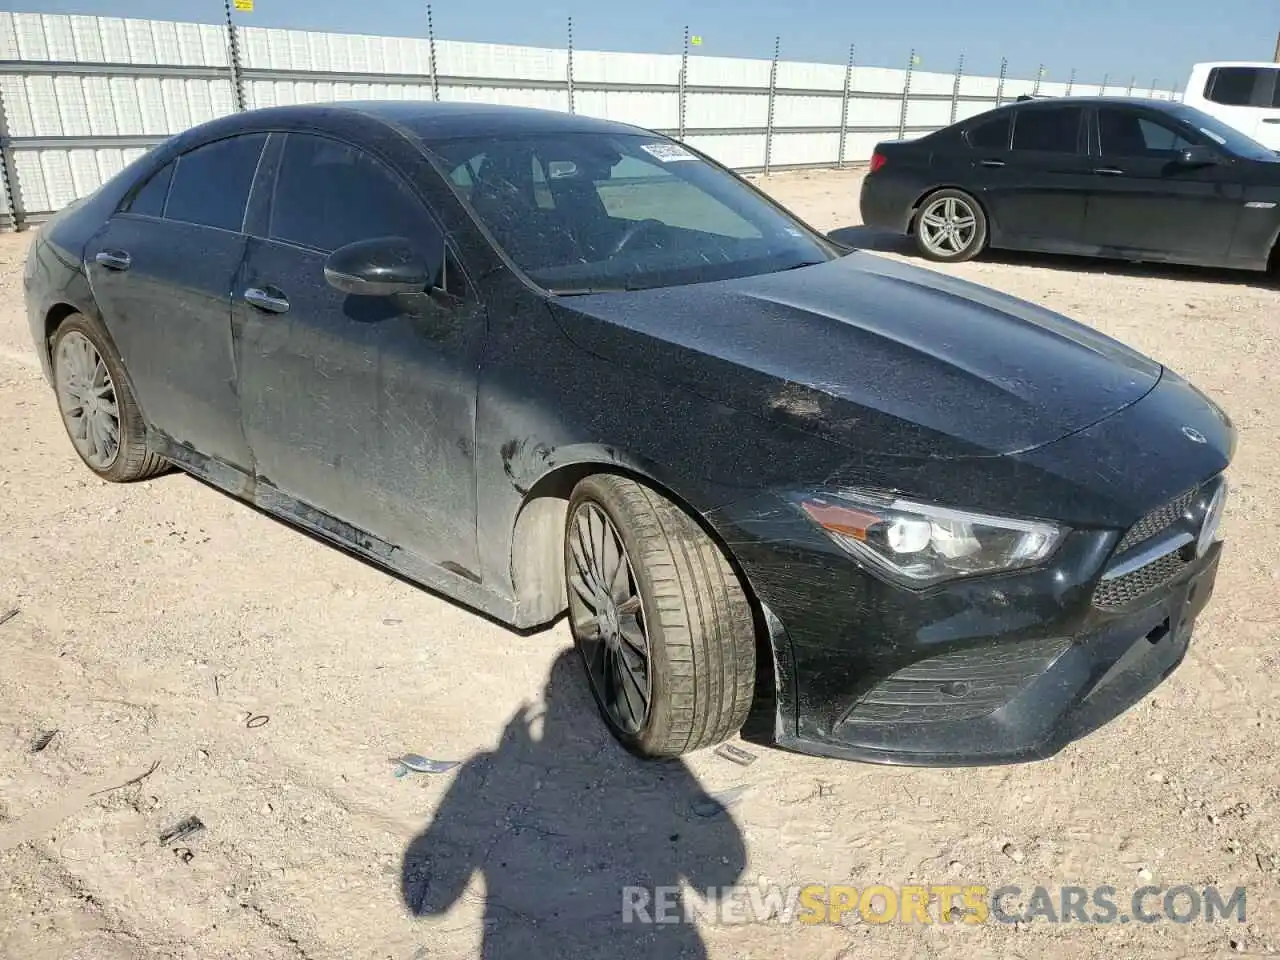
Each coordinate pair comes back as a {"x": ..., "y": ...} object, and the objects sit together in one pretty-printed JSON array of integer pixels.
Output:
[{"x": 81, "y": 96}]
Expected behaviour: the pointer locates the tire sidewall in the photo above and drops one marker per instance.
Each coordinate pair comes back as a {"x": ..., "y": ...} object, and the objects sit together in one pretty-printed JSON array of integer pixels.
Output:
[
  {"x": 658, "y": 722},
  {"x": 976, "y": 245}
]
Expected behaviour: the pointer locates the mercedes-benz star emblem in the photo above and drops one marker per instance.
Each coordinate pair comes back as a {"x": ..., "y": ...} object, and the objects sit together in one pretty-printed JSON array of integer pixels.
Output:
[{"x": 1194, "y": 435}]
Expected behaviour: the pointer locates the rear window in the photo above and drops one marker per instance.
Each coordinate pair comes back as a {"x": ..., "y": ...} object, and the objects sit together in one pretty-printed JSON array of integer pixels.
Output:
[
  {"x": 990, "y": 134},
  {"x": 1243, "y": 86}
]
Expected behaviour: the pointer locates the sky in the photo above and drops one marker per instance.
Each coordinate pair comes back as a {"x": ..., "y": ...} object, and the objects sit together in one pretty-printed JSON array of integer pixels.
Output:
[{"x": 1154, "y": 40}]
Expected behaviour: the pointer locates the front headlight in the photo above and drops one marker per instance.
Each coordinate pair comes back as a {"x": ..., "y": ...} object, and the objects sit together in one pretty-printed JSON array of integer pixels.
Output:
[{"x": 920, "y": 544}]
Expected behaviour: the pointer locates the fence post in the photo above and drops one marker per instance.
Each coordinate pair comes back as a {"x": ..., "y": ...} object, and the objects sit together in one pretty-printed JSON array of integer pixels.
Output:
[
  {"x": 955, "y": 89},
  {"x": 1004, "y": 72},
  {"x": 1152, "y": 92},
  {"x": 906, "y": 97},
  {"x": 1132, "y": 81},
  {"x": 431, "y": 53},
  {"x": 844, "y": 108},
  {"x": 570, "y": 65},
  {"x": 233, "y": 58},
  {"x": 1071, "y": 81},
  {"x": 1173, "y": 92},
  {"x": 1035, "y": 87},
  {"x": 9, "y": 172},
  {"x": 773, "y": 92},
  {"x": 684, "y": 71},
  {"x": 1102, "y": 88}
]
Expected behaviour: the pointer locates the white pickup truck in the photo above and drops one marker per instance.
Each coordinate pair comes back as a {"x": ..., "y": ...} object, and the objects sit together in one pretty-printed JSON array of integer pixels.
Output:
[{"x": 1244, "y": 95}]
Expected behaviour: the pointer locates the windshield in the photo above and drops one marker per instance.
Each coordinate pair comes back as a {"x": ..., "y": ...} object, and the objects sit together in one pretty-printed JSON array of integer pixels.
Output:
[
  {"x": 587, "y": 212},
  {"x": 1223, "y": 135}
]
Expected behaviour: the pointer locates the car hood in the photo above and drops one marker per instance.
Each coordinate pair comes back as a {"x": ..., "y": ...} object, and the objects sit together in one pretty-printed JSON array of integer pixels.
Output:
[{"x": 872, "y": 353}]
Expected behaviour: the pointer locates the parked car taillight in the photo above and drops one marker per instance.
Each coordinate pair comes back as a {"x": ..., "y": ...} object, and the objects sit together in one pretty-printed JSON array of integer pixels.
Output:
[{"x": 877, "y": 161}]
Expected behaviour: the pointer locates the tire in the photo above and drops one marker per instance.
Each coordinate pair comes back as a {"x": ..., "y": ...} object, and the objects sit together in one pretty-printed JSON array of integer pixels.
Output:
[
  {"x": 692, "y": 612},
  {"x": 965, "y": 244},
  {"x": 78, "y": 345}
]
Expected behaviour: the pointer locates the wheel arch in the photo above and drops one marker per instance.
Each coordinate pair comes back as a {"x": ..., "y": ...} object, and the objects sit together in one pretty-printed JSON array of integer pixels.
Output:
[{"x": 537, "y": 546}]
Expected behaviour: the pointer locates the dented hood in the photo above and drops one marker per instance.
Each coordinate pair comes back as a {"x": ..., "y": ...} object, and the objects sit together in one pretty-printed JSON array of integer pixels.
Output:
[{"x": 872, "y": 353}]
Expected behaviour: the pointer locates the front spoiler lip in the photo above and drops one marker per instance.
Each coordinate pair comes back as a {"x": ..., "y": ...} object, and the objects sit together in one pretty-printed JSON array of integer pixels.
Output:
[{"x": 1109, "y": 693}]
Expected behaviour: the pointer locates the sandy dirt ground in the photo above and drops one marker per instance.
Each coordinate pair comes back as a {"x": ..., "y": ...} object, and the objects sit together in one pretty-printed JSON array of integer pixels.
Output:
[{"x": 158, "y": 623}]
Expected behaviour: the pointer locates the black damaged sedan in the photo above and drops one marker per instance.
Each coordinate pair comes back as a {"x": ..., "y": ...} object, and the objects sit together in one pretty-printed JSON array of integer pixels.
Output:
[{"x": 539, "y": 363}]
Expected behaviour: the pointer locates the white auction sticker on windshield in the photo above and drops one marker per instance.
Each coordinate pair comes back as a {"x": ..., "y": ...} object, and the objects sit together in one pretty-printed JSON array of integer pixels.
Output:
[{"x": 666, "y": 152}]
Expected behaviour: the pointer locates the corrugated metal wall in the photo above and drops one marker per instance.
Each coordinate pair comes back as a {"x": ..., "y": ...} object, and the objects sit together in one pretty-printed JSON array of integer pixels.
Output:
[{"x": 82, "y": 96}]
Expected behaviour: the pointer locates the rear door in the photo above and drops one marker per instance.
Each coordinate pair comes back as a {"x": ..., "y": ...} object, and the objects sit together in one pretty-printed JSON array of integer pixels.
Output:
[
  {"x": 1247, "y": 98},
  {"x": 162, "y": 271},
  {"x": 1036, "y": 190},
  {"x": 1146, "y": 201}
]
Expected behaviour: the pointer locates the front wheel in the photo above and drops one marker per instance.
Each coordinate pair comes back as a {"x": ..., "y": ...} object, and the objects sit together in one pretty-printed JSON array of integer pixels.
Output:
[
  {"x": 950, "y": 227},
  {"x": 661, "y": 621}
]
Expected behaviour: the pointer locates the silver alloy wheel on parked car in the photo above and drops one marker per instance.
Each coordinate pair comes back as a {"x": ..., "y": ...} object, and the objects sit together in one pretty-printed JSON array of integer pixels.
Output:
[
  {"x": 608, "y": 618},
  {"x": 947, "y": 226},
  {"x": 87, "y": 400}
]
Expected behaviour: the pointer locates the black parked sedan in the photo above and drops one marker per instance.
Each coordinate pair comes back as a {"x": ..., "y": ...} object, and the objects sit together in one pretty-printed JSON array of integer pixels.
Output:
[
  {"x": 541, "y": 362},
  {"x": 1101, "y": 177}
]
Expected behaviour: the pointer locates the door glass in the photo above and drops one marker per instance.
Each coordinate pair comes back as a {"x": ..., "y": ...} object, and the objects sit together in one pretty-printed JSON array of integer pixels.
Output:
[
  {"x": 330, "y": 194},
  {"x": 149, "y": 200},
  {"x": 1128, "y": 133},
  {"x": 1055, "y": 130},
  {"x": 990, "y": 134},
  {"x": 211, "y": 183}
]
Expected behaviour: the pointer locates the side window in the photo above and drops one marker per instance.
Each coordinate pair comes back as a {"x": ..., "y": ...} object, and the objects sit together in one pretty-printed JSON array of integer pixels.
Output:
[
  {"x": 1055, "y": 130},
  {"x": 1243, "y": 86},
  {"x": 990, "y": 134},
  {"x": 149, "y": 200},
  {"x": 211, "y": 183},
  {"x": 1131, "y": 134},
  {"x": 329, "y": 194}
]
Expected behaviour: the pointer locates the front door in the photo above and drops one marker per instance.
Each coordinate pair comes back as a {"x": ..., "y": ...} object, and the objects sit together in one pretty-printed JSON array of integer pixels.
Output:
[
  {"x": 361, "y": 407},
  {"x": 162, "y": 270},
  {"x": 1037, "y": 196},
  {"x": 1146, "y": 201}
]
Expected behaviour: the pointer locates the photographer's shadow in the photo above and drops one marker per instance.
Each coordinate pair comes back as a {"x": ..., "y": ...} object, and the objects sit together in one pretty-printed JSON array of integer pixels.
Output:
[{"x": 560, "y": 826}]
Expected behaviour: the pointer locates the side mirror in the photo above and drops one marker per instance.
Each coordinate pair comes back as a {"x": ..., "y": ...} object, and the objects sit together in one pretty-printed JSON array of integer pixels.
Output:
[
  {"x": 382, "y": 267},
  {"x": 1197, "y": 157}
]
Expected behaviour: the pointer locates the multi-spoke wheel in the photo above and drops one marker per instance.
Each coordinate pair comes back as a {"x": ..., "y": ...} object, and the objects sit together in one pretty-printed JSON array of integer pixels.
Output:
[
  {"x": 97, "y": 408},
  {"x": 950, "y": 227},
  {"x": 663, "y": 625}
]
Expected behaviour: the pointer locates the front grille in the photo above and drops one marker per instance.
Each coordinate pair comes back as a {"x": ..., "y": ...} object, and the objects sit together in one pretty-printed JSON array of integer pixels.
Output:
[
  {"x": 1125, "y": 590},
  {"x": 1157, "y": 520},
  {"x": 963, "y": 685}
]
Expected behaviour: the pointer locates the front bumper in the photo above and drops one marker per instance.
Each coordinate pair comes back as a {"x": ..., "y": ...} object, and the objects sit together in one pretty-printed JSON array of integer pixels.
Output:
[{"x": 1063, "y": 689}]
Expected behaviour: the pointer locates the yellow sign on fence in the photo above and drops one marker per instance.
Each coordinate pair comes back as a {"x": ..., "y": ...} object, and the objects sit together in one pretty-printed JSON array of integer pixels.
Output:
[
  {"x": 243, "y": 5},
  {"x": 695, "y": 41}
]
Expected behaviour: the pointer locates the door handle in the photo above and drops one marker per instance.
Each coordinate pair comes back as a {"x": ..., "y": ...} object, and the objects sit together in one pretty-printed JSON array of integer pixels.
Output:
[
  {"x": 114, "y": 259},
  {"x": 992, "y": 163},
  {"x": 1271, "y": 119},
  {"x": 264, "y": 300},
  {"x": 1108, "y": 171}
]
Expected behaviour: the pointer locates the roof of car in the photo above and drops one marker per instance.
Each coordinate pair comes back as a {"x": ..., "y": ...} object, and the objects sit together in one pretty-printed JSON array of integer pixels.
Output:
[
  {"x": 1096, "y": 100},
  {"x": 430, "y": 120}
]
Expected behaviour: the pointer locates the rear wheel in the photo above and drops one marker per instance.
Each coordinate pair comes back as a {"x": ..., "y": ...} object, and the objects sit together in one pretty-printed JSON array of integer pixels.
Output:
[
  {"x": 950, "y": 227},
  {"x": 661, "y": 621},
  {"x": 98, "y": 410}
]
